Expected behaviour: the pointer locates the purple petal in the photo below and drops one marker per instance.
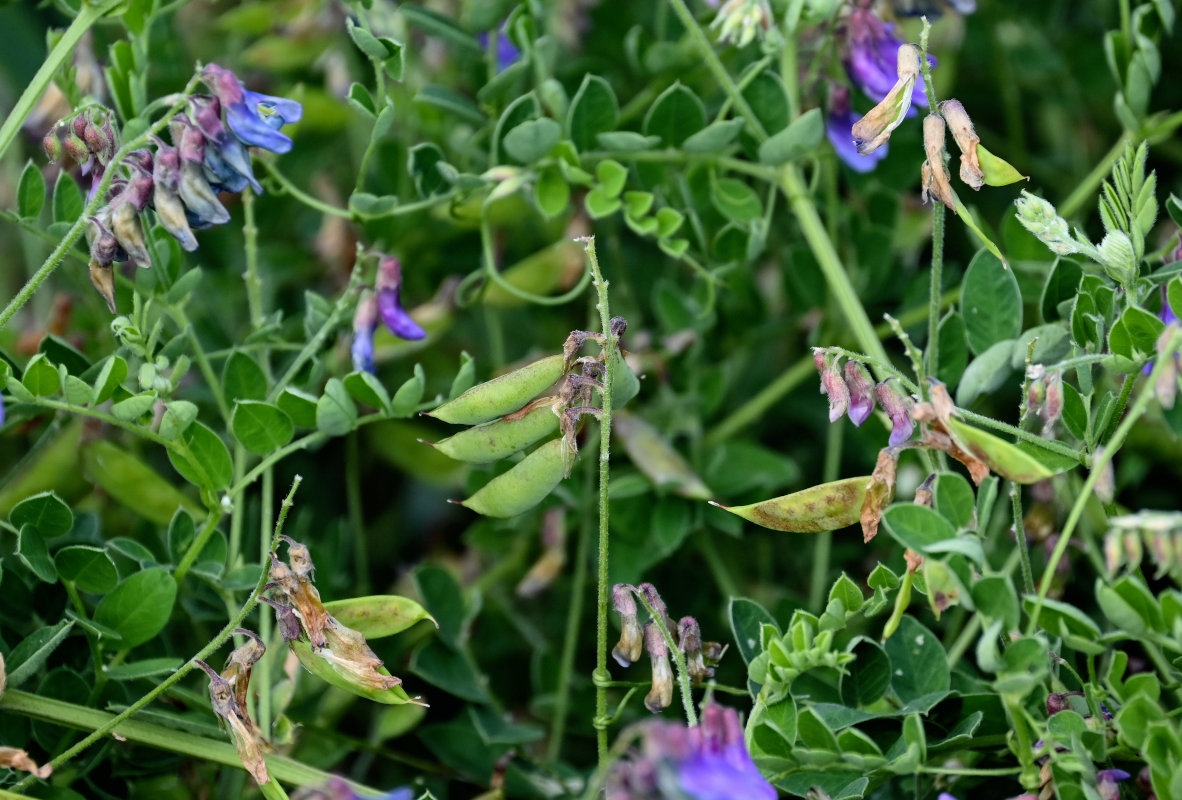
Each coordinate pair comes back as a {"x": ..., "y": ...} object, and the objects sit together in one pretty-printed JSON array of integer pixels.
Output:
[
  {"x": 255, "y": 130},
  {"x": 837, "y": 128},
  {"x": 362, "y": 350},
  {"x": 396, "y": 319}
]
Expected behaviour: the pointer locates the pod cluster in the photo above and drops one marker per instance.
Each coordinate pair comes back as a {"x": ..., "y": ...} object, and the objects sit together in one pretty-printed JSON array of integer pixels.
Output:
[
  {"x": 700, "y": 657},
  {"x": 506, "y": 416},
  {"x": 179, "y": 181}
]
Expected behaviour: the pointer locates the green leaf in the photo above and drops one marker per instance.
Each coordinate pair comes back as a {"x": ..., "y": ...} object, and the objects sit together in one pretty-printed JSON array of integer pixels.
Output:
[
  {"x": 799, "y": 139},
  {"x": 370, "y": 206},
  {"x": 360, "y": 99},
  {"x": 746, "y": 616},
  {"x": 262, "y": 428},
  {"x": 714, "y": 137},
  {"x": 450, "y": 101},
  {"x": 335, "y": 413},
  {"x": 67, "y": 199},
  {"x": 30, "y": 192},
  {"x": 970, "y": 222},
  {"x": 869, "y": 676},
  {"x": 599, "y": 204},
  {"x": 185, "y": 286},
  {"x": 409, "y": 394},
  {"x": 46, "y": 512},
  {"x": 1174, "y": 296},
  {"x": 994, "y": 596},
  {"x": 201, "y": 457},
  {"x": 1130, "y": 605},
  {"x": 953, "y": 499},
  {"x": 917, "y": 527},
  {"x": 366, "y": 42},
  {"x": 1075, "y": 412},
  {"x": 918, "y": 660},
  {"x": 532, "y": 139},
  {"x": 243, "y": 379},
  {"x": 299, "y": 405},
  {"x": 986, "y": 373},
  {"x": 27, "y": 658},
  {"x": 552, "y": 193},
  {"x": 991, "y": 303},
  {"x": 77, "y": 391},
  {"x": 88, "y": 568},
  {"x": 110, "y": 377},
  {"x": 768, "y": 98},
  {"x": 436, "y": 24},
  {"x": 676, "y": 114},
  {"x": 139, "y": 607},
  {"x": 1143, "y": 328},
  {"x": 379, "y": 615},
  {"x": 736, "y": 200},
  {"x": 178, "y": 416},
  {"x": 423, "y": 162},
  {"x": 669, "y": 220},
  {"x": 627, "y": 141},
  {"x": 146, "y": 668},
  {"x": 1062, "y": 285},
  {"x": 32, "y": 552},
  {"x": 594, "y": 110},
  {"x": 134, "y": 407},
  {"x": 465, "y": 377},
  {"x": 954, "y": 354},
  {"x": 366, "y": 388},
  {"x": 41, "y": 378},
  {"x": 612, "y": 176},
  {"x": 132, "y": 482}
]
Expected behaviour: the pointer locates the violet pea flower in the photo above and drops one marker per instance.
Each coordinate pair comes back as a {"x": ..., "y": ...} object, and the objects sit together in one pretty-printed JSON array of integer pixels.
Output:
[
  {"x": 873, "y": 58},
  {"x": 253, "y": 117},
  {"x": 365, "y": 319},
  {"x": 389, "y": 286}
]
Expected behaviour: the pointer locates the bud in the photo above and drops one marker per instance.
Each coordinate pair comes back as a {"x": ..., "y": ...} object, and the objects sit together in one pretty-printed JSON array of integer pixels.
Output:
[
  {"x": 873, "y": 130},
  {"x": 689, "y": 640},
  {"x": 967, "y": 140},
  {"x": 897, "y": 408},
  {"x": 1056, "y": 702},
  {"x": 1118, "y": 258},
  {"x": 1040, "y": 218},
  {"x": 129, "y": 232},
  {"x": 102, "y": 277},
  {"x": 75, "y": 146},
  {"x": 660, "y": 696},
  {"x": 1134, "y": 550},
  {"x": 53, "y": 146},
  {"x": 934, "y": 171},
  {"x": 99, "y": 137},
  {"x": 1165, "y": 386},
  {"x": 1113, "y": 552},
  {"x": 740, "y": 21},
  {"x": 627, "y": 650},
  {"x": 656, "y": 603},
  {"x": 166, "y": 199},
  {"x": 1105, "y": 487},
  {"x": 832, "y": 383},
  {"x": 1161, "y": 547},
  {"x": 861, "y": 392},
  {"x": 1052, "y": 409}
]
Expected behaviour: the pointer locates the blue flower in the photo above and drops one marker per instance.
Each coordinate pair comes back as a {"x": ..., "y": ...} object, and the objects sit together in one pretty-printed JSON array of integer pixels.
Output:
[
  {"x": 365, "y": 319},
  {"x": 707, "y": 762},
  {"x": 873, "y": 58},
  {"x": 389, "y": 286},
  {"x": 254, "y": 118},
  {"x": 507, "y": 52},
  {"x": 227, "y": 162}
]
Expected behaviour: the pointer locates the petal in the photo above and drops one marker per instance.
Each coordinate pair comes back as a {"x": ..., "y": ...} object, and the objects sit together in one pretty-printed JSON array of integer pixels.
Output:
[
  {"x": 396, "y": 319},
  {"x": 363, "y": 350},
  {"x": 279, "y": 108},
  {"x": 837, "y": 128},
  {"x": 253, "y": 130}
]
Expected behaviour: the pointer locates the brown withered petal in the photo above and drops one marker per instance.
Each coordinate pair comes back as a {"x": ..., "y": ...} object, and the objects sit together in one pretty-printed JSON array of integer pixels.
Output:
[
  {"x": 914, "y": 560},
  {"x": 15, "y": 758},
  {"x": 934, "y": 171},
  {"x": 240, "y": 663},
  {"x": 289, "y": 624},
  {"x": 967, "y": 140},
  {"x": 304, "y": 599},
  {"x": 940, "y": 440},
  {"x": 221, "y": 696},
  {"x": 300, "y": 559},
  {"x": 879, "y": 492},
  {"x": 102, "y": 277},
  {"x": 873, "y": 130},
  {"x": 349, "y": 654}
]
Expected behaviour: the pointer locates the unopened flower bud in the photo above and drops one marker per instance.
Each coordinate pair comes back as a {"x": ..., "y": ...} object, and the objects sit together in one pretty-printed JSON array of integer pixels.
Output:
[
  {"x": 897, "y": 408},
  {"x": 125, "y": 224},
  {"x": 1040, "y": 218},
  {"x": 660, "y": 696},
  {"x": 861, "y": 391},
  {"x": 658, "y": 605},
  {"x": 1057, "y": 702},
  {"x": 689, "y": 640},
  {"x": 1052, "y": 409},
  {"x": 967, "y": 140},
  {"x": 1133, "y": 547},
  {"x": 1117, "y": 257},
  {"x": 1105, "y": 487},
  {"x": 167, "y": 200},
  {"x": 1113, "y": 551},
  {"x": 627, "y": 650},
  {"x": 934, "y": 171},
  {"x": 102, "y": 277},
  {"x": 75, "y": 147},
  {"x": 832, "y": 384},
  {"x": 740, "y": 21},
  {"x": 1161, "y": 548},
  {"x": 53, "y": 146}
]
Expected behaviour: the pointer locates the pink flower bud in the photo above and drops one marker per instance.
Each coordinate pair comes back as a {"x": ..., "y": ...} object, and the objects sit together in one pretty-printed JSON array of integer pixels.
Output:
[{"x": 861, "y": 392}]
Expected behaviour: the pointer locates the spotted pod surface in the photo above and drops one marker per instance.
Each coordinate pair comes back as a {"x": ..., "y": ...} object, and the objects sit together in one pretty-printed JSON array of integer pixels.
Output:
[{"x": 826, "y": 507}]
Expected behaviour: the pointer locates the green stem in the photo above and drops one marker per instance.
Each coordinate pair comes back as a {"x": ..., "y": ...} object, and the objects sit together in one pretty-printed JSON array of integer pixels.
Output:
[
  {"x": 1099, "y": 462},
  {"x": 932, "y": 361},
  {"x": 1024, "y": 435},
  {"x": 1020, "y": 535},
  {"x": 254, "y": 284},
  {"x": 493, "y": 274},
  {"x": 1122, "y": 402},
  {"x": 610, "y": 348},
  {"x": 87, "y": 16},
  {"x": 337, "y": 211},
  {"x": 274, "y": 458},
  {"x": 263, "y": 674},
  {"x": 1088, "y": 186},
  {"x": 111, "y": 722},
  {"x": 131, "y": 427},
  {"x": 211, "y": 524}
]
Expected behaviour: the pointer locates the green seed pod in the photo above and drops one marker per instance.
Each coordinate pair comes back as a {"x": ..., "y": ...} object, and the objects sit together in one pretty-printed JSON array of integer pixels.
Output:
[
  {"x": 1006, "y": 459},
  {"x": 826, "y": 507},
  {"x": 625, "y": 384},
  {"x": 493, "y": 441},
  {"x": 654, "y": 456},
  {"x": 500, "y": 396},
  {"x": 522, "y": 487}
]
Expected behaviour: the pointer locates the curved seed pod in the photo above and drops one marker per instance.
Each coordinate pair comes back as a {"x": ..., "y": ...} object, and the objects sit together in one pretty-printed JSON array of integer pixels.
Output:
[
  {"x": 500, "y": 396},
  {"x": 1005, "y": 459},
  {"x": 625, "y": 384},
  {"x": 826, "y": 507},
  {"x": 522, "y": 487},
  {"x": 493, "y": 441}
]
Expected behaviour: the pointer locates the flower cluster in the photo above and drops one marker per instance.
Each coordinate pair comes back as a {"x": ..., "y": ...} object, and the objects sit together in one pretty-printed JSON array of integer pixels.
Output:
[
  {"x": 706, "y": 762},
  {"x": 179, "y": 181},
  {"x": 699, "y": 655},
  {"x": 741, "y": 21},
  {"x": 384, "y": 303},
  {"x": 852, "y": 392}
]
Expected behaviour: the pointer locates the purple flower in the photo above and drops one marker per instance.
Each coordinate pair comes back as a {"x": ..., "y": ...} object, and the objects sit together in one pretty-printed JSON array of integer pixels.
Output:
[
  {"x": 1166, "y": 315},
  {"x": 507, "y": 52},
  {"x": 1106, "y": 780},
  {"x": 388, "y": 285},
  {"x": 837, "y": 127},
  {"x": 897, "y": 408},
  {"x": 707, "y": 762},
  {"x": 365, "y": 319},
  {"x": 227, "y": 162},
  {"x": 254, "y": 118},
  {"x": 873, "y": 58}
]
